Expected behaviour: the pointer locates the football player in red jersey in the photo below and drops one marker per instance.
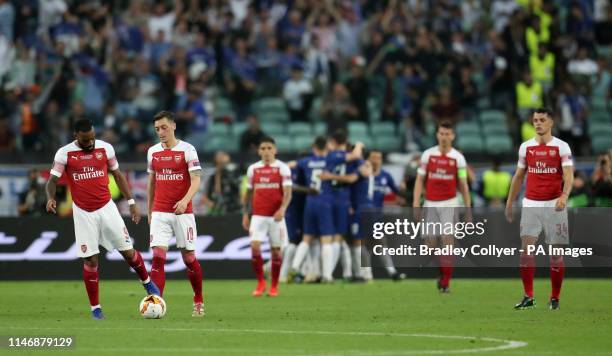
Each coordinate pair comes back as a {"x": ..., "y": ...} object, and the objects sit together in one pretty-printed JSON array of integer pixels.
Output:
[
  {"x": 174, "y": 178},
  {"x": 441, "y": 173},
  {"x": 546, "y": 161},
  {"x": 269, "y": 190},
  {"x": 86, "y": 163}
]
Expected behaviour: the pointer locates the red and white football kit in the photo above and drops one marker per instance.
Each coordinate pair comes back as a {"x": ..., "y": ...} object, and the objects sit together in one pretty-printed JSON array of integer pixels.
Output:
[
  {"x": 96, "y": 218},
  {"x": 171, "y": 167},
  {"x": 441, "y": 173},
  {"x": 543, "y": 164},
  {"x": 267, "y": 182}
]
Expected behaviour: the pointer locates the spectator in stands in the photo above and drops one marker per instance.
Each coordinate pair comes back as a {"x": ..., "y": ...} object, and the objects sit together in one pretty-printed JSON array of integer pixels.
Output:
[
  {"x": 135, "y": 136},
  {"x": 601, "y": 181},
  {"x": 495, "y": 185},
  {"x": 192, "y": 119},
  {"x": 297, "y": 93},
  {"x": 222, "y": 188},
  {"x": 446, "y": 107},
  {"x": 32, "y": 200},
  {"x": 249, "y": 140},
  {"x": 7, "y": 137},
  {"x": 240, "y": 79},
  {"x": 337, "y": 109},
  {"x": 358, "y": 87},
  {"x": 572, "y": 109},
  {"x": 580, "y": 196},
  {"x": 529, "y": 96},
  {"x": 582, "y": 70}
]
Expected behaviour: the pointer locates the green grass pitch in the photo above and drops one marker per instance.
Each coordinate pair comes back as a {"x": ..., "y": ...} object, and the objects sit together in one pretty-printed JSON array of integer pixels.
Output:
[{"x": 382, "y": 318}]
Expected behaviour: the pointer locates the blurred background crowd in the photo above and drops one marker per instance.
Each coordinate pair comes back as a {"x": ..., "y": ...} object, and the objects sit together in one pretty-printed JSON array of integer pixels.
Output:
[{"x": 234, "y": 70}]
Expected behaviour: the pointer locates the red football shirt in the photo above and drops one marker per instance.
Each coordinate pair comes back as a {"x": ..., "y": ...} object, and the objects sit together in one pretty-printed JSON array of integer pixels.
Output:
[
  {"x": 440, "y": 171},
  {"x": 543, "y": 164},
  {"x": 87, "y": 173},
  {"x": 267, "y": 182},
  {"x": 171, "y": 167}
]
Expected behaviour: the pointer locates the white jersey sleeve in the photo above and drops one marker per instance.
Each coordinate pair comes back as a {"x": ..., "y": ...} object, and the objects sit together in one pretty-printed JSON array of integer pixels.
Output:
[
  {"x": 250, "y": 177},
  {"x": 191, "y": 157},
  {"x": 112, "y": 162},
  {"x": 522, "y": 153},
  {"x": 59, "y": 162},
  {"x": 422, "y": 170},
  {"x": 285, "y": 172},
  {"x": 566, "y": 154},
  {"x": 150, "y": 160}
]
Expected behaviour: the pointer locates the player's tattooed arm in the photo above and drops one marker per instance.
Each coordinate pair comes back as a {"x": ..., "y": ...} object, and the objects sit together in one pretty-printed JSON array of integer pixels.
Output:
[
  {"x": 124, "y": 188},
  {"x": 50, "y": 188},
  {"x": 515, "y": 188},
  {"x": 568, "y": 182},
  {"x": 194, "y": 186}
]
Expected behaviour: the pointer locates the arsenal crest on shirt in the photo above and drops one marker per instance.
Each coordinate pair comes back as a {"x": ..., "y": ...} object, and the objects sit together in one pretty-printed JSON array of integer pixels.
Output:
[
  {"x": 177, "y": 158},
  {"x": 553, "y": 152},
  {"x": 99, "y": 155}
]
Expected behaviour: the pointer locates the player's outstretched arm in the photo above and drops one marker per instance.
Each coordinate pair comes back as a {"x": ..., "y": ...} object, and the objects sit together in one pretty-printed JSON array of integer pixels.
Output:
[
  {"x": 356, "y": 153},
  {"x": 182, "y": 204},
  {"x": 568, "y": 182},
  {"x": 345, "y": 178},
  {"x": 150, "y": 195},
  {"x": 50, "y": 188},
  {"x": 515, "y": 187},
  {"x": 124, "y": 188}
]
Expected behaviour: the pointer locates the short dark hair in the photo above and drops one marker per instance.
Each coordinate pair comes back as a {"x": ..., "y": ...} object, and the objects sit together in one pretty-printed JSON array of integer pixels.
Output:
[
  {"x": 83, "y": 125},
  {"x": 374, "y": 150},
  {"x": 445, "y": 124},
  {"x": 266, "y": 139},
  {"x": 320, "y": 143},
  {"x": 164, "y": 114},
  {"x": 339, "y": 136},
  {"x": 546, "y": 111}
]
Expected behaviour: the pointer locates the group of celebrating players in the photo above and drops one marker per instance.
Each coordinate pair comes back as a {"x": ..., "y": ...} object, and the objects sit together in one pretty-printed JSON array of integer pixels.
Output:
[{"x": 308, "y": 210}]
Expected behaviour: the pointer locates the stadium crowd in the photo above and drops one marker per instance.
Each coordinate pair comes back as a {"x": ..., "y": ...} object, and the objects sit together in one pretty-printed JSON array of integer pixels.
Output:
[{"x": 117, "y": 62}]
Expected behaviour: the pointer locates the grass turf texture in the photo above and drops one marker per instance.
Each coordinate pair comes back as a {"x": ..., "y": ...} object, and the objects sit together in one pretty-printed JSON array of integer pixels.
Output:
[{"x": 316, "y": 319}]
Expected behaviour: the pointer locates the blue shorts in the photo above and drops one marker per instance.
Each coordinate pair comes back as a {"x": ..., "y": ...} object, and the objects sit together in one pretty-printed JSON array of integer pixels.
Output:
[
  {"x": 318, "y": 219},
  {"x": 362, "y": 220},
  {"x": 341, "y": 217}
]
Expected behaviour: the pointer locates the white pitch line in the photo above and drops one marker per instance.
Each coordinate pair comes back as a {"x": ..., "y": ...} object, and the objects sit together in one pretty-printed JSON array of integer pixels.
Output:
[{"x": 506, "y": 344}]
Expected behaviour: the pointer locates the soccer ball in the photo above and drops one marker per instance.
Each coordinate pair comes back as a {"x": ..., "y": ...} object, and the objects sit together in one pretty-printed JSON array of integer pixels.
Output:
[{"x": 152, "y": 307}]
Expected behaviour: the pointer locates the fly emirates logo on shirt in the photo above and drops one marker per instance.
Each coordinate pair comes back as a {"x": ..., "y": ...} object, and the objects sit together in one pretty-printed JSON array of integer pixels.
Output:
[
  {"x": 441, "y": 172},
  {"x": 541, "y": 166},
  {"x": 88, "y": 173},
  {"x": 168, "y": 174}
]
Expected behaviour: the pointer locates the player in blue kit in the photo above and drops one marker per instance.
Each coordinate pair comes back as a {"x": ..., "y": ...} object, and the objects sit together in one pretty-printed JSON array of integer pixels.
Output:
[
  {"x": 318, "y": 208},
  {"x": 294, "y": 218},
  {"x": 346, "y": 168}
]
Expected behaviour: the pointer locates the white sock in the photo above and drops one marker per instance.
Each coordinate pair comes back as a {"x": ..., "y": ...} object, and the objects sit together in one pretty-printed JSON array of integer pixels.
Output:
[
  {"x": 346, "y": 260},
  {"x": 366, "y": 260},
  {"x": 146, "y": 280},
  {"x": 388, "y": 263},
  {"x": 267, "y": 267},
  {"x": 314, "y": 268},
  {"x": 288, "y": 253},
  {"x": 94, "y": 307},
  {"x": 336, "y": 246},
  {"x": 327, "y": 256},
  {"x": 367, "y": 273},
  {"x": 300, "y": 254},
  {"x": 356, "y": 261}
]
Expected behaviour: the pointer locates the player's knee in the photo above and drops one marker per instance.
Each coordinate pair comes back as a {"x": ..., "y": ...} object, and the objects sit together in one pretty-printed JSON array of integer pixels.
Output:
[
  {"x": 90, "y": 264},
  {"x": 159, "y": 252},
  {"x": 188, "y": 257},
  {"x": 276, "y": 252},
  {"x": 256, "y": 247}
]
